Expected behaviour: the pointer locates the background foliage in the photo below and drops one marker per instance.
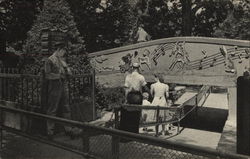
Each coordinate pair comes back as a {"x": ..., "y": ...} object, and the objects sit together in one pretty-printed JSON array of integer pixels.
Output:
[{"x": 103, "y": 24}]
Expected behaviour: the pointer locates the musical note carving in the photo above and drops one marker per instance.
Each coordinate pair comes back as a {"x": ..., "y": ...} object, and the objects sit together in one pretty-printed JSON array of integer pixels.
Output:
[
  {"x": 247, "y": 53},
  {"x": 200, "y": 65},
  {"x": 240, "y": 59},
  {"x": 212, "y": 64},
  {"x": 204, "y": 54}
]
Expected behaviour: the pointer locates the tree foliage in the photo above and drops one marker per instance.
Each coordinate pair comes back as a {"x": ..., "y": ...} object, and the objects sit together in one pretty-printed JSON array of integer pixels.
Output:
[
  {"x": 236, "y": 25},
  {"x": 104, "y": 23},
  {"x": 17, "y": 18},
  {"x": 164, "y": 18},
  {"x": 207, "y": 16},
  {"x": 161, "y": 18}
]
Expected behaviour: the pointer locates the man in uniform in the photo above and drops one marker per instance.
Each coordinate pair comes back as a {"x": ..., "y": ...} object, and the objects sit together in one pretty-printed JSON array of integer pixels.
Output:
[{"x": 56, "y": 69}]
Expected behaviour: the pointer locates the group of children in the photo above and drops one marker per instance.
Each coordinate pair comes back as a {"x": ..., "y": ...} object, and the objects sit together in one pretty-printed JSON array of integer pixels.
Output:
[{"x": 160, "y": 93}]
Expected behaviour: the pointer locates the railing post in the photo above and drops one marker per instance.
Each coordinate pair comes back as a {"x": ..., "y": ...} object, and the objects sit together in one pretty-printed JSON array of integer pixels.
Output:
[
  {"x": 157, "y": 120},
  {"x": 196, "y": 105},
  {"x": 115, "y": 147},
  {"x": 1, "y": 130},
  {"x": 115, "y": 139},
  {"x": 85, "y": 140},
  {"x": 116, "y": 117}
]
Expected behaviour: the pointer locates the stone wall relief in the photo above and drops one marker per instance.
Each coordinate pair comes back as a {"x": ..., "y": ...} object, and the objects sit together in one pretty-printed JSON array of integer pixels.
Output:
[{"x": 178, "y": 56}]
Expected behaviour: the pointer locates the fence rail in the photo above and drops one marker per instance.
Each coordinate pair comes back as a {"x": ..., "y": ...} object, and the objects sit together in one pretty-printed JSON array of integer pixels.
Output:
[
  {"x": 100, "y": 142},
  {"x": 176, "y": 112}
]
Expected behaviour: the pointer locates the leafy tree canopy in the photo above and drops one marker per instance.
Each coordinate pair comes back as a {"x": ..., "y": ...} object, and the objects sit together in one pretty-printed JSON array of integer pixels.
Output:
[
  {"x": 164, "y": 18},
  {"x": 104, "y": 23},
  {"x": 16, "y": 17},
  {"x": 236, "y": 25}
]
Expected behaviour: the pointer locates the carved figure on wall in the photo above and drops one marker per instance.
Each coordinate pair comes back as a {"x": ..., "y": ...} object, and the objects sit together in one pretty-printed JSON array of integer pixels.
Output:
[
  {"x": 125, "y": 63},
  {"x": 181, "y": 58},
  {"x": 160, "y": 51},
  {"x": 145, "y": 59},
  {"x": 134, "y": 57},
  {"x": 97, "y": 61},
  {"x": 100, "y": 59}
]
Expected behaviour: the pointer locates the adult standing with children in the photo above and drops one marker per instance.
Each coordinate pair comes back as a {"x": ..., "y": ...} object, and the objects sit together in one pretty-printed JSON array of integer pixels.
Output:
[
  {"x": 160, "y": 92},
  {"x": 134, "y": 84}
]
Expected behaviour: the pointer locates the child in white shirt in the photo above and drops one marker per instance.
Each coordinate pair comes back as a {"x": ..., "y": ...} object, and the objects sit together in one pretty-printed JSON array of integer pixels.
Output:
[{"x": 145, "y": 112}]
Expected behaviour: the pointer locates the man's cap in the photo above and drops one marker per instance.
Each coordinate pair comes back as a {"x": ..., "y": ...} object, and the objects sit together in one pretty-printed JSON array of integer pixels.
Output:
[{"x": 136, "y": 65}]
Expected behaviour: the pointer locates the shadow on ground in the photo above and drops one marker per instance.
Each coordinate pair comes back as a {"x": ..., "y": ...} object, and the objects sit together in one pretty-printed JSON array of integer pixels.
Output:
[{"x": 209, "y": 119}]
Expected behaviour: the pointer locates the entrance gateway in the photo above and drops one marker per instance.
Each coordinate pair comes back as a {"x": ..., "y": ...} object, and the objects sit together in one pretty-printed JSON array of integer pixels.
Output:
[{"x": 183, "y": 60}]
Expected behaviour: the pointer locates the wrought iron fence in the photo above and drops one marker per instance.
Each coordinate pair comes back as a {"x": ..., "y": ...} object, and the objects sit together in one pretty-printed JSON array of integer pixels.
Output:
[{"x": 30, "y": 91}]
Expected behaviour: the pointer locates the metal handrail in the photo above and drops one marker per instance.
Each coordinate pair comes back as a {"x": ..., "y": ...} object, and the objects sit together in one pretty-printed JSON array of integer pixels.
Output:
[{"x": 136, "y": 137}]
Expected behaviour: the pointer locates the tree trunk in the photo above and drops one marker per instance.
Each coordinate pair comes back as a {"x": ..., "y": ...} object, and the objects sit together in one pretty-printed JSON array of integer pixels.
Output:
[{"x": 186, "y": 17}]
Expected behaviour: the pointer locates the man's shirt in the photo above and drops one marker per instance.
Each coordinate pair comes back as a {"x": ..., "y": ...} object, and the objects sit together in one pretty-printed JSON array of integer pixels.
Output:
[{"x": 135, "y": 82}]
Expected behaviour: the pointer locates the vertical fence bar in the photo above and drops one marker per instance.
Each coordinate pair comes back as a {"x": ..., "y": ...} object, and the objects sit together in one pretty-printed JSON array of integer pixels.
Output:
[
  {"x": 36, "y": 91},
  {"x": 26, "y": 93},
  {"x": 1, "y": 130},
  {"x": 22, "y": 91},
  {"x": 196, "y": 105},
  {"x": 157, "y": 120},
  {"x": 85, "y": 140},
  {"x": 69, "y": 90},
  {"x": 6, "y": 88},
  {"x": 79, "y": 89},
  {"x": 93, "y": 93},
  {"x": 32, "y": 90},
  {"x": 115, "y": 139},
  {"x": 116, "y": 111},
  {"x": 75, "y": 88},
  {"x": 115, "y": 147},
  {"x": 1, "y": 86}
]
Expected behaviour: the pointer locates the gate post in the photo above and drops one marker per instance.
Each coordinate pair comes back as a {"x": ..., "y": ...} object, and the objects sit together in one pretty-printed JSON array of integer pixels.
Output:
[
  {"x": 1, "y": 130},
  {"x": 232, "y": 105},
  {"x": 85, "y": 140},
  {"x": 115, "y": 147},
  {"x": 115, "y": 139},
  {"x": 243, "y": 115}
]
